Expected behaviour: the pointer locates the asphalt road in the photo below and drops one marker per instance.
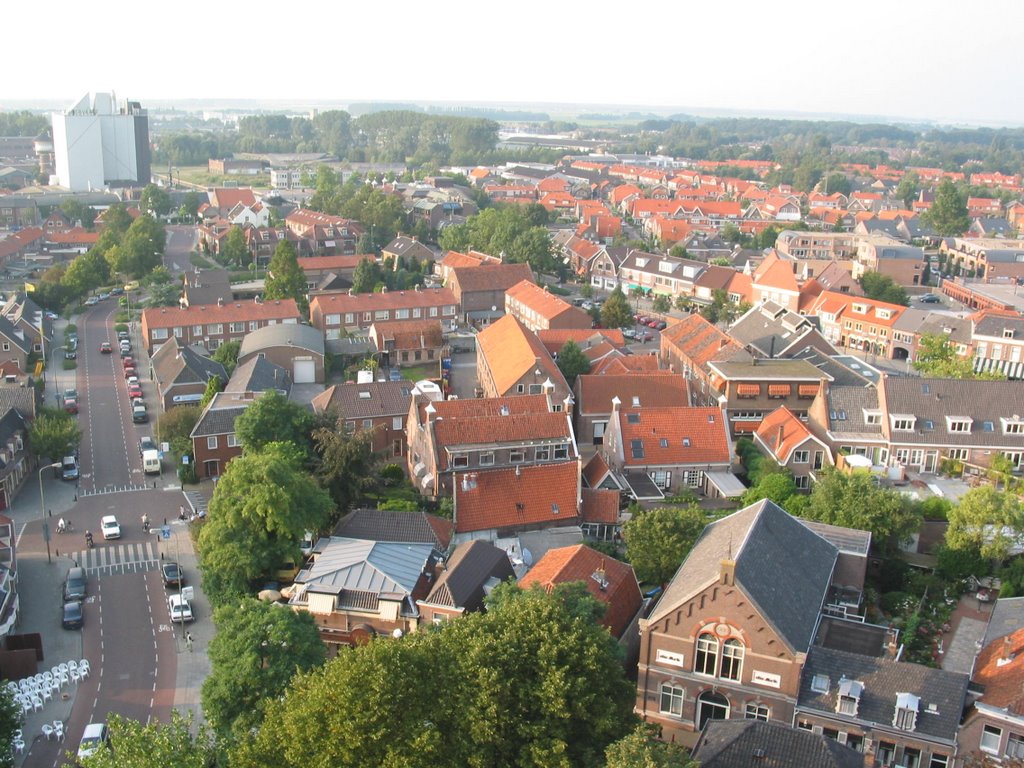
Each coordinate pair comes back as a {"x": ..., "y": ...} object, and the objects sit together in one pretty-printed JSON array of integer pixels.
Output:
[{"x": 181, "y": 241}]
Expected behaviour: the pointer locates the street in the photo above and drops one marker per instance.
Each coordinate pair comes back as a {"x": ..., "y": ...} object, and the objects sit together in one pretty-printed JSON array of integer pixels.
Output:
[{"x": 181, "y": 241}]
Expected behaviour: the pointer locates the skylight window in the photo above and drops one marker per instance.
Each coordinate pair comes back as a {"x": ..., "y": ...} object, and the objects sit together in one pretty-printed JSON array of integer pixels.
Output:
[
  {"x": 633, "y": 418},
  {"x": 637, "y": 448}
]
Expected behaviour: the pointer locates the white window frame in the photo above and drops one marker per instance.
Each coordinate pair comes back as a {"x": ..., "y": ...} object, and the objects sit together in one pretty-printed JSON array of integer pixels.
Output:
[
  {"x": 988, "y": 733},
  {"x": 802, "y": 456},
  {"x": 675, "y": 695},
  {"x": 211, "y": 442}
]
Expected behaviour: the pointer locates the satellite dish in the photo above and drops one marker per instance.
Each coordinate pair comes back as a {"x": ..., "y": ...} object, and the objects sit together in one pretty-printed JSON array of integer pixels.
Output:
[{"x": 527, "y": 557}]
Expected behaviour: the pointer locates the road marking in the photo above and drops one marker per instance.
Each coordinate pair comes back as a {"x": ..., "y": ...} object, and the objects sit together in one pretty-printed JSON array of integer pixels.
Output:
[{"x": 119, "y": 558}]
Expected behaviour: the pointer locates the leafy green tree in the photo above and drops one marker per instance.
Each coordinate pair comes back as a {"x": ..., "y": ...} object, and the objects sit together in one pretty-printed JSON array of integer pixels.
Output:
[
  {"x": 175, "y": 426},
  {"x": 261, "y": 507},
  {"x": 87, "y": 272},
  {"x": 367, "y": 276},
  {"x": 10, "y": 721},
  {"x": 855, "y": 501},
  {"x": 235, "y": 251},
  {"x": 776, "y": 486},
  {"x": 907, "y": 189},
  {"x": 155, "y": 200},
  {"x": 346, "y": 464},
  {"x": 227, "y": 355},
  {"x": 615, "y": 312},
  {"x": 274, "y": 418},
  {"x": 158, "y": 276},
  {"x": 179, "y": 744},
  {"x": 986, "y": 520},
  {"x": 52, "y": 433},
  {"x": 141, "y": 248},
  {"x": 948, "y": 212},
  {"x": 76, "y": 211},
  {"x": 256, "y": 652},
  {"x": 285, "y": 278},
  {"x": 642, "y": 749},
  {"x": 506, "y": 230},
  {"x": 658, "y": 540},
  {"x": 572, "y": 362},
  {"x": 883, "y": 288},
  {"x": 937, "y": 357},
  {"x": 662, "y": 303},
  {"x": 116, "y": 220},
  {"x": 213, "y": 386},
  {"x": 836, "y": 182},
  {"x": 731, "y": 234}
]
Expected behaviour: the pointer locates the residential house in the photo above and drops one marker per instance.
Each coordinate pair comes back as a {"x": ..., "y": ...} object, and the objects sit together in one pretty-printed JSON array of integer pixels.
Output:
[
  {"x": 222, "y": 200},
  {"x": 325, "y": 234},
  {"x": 858, "y": 323},
  {"x": 979, "y": 207},
  {"x": 593, "y": 395},
  {"x": 205, "y": 286},
  {"x": 380, "y": 407},
  {"x": 689, "y": 346},
  {"x": 848, "y": 418},
  {"x": 29, "y": 318},
  {"x": 480, "y": 290},
  {"x": 214, "y": 442},
  {"x": 357, "y": 589},
  {"x": 828, "y": 246},
  {"x": 453, "y": 259},
  {"x": 663, "y": 451},
  {"x": 337, "y": 315},
  {"x": 738, "y": 742},
  {"x": 317, "y": 268},
  {"x": 889, "y": 257},
  {"x": 990, "y": 227},
  {"x": 997, "y": 339},
  {"x": 408, "y": 342},
  {"x": 538, "y": 309},
  {"x": 894, "y": 712},
  {"x": 480, "y": 435},
  {"x": 9, "y": 599},
  {"x": 511, "y": 360},
  {"x": 838, "y": 278},
  {"x": 214, "y": 324},
  {"x": 262, "y": 242},
  {"x": 19, "y": 244},
  {"x": 580, "y": 253},
  {"x": 14, "y": 346},
  {"x": 985, "y": 257},
  {"x": 609, "y": 581},
  {"x": 17, "y": 464},
  {"x": 404, "y": 249},
  {"x": 182, "y": 373},
  {"x": 769, "y": 330},
  {"x": 259, "y": 375},
  {"x": 750, "y": 390},
  {"x": 474, "y": 569},
  {"x": 387, "y": 525},
  {"x": 775, "y": 280},
  {"x": 784, "y": 438},
  {"x": 659, "y": 274},
  {"x": 604, "y": 269},
  {"x": 297, "y": 348},
  {"x": 599, "y": 341}
]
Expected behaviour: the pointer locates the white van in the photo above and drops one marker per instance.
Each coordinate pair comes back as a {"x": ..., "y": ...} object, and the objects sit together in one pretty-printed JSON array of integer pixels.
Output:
[{"x": 151, "y": 462}]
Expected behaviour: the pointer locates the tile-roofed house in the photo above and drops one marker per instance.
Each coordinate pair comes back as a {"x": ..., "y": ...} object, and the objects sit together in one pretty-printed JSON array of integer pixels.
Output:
[
  {"x": 326, "y": 234},
  {"x": 608, "y": 580},
  {"x": 997, "y": 338},
  {"x": 585, "y": 338},
  {"x": 848, "y": 418},
  {"x": 770, "y": 330},
  {"x": 408, "y": 342},
  {"x": 600, "y": 513},
  {"x": 593, "y": 395},
  {"x": 297, "y": 348},
  {"x": 857, "y": 322},
  {"x": 791, "y": 444},
  {"x": 741, "y": 743},
  {"x": 994, "y": 725},
  {"x": 480, "y": 290},
  {"x": 910, "y": 713},
  {"x": 15, "y": 347},
  {"x": 387, "y": 525},
  {"x": 469, "y": 575},
  {"x": 215, "y": 324},
  {"x": 181, "y": 373},
  {"x": 687, "y": 347},
  {"x": 735, "y": 623},
  {"x": 405, "y": 247},
  {"x": 927, "y": 420},
  {"x": 205, "y": 286},
  {"x": 511, "y": 360},
  {"x": 342, "y": 267},
  {"x": 836, "y": 277},
  {"x": 22, "y": 399},
  {"x": 258, "y": 374},
  {"x": 340, "y": 314},
  {"x": 661, "y": 274},
  {"x": 775, "y": 280},
  {"x": 615, "y": 364},
  {"x": 16, "y": 462},
  {"x": 377, "y": 406},
  {"x": 226, "y": 198},
  {"x": 357, "y": 589},
  {"x": 538, "y": 309},
  {"x": 495, "y": 503},
  {"x": 668, "y": 448},
  {"x": 214, "y": 443},
  {"x": 29, "y": 318}
]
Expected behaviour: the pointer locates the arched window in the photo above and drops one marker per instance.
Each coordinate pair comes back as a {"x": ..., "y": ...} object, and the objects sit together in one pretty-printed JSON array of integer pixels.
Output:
[
  {"x": 706, "y": 656},
  {"x": 671, "y": 700},
  {"x": 732, "y": 659},
  {"x": 711, "y": 706}
]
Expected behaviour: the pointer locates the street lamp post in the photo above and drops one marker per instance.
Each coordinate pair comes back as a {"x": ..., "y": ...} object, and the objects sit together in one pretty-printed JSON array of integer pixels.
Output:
[{"x": 42, "y": 509}]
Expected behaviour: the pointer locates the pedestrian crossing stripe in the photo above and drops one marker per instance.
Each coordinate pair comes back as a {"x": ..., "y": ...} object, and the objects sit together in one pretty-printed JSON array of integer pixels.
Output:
[
  {"x": 110, "y": 559},
  {"x": 108, "y": 489}
]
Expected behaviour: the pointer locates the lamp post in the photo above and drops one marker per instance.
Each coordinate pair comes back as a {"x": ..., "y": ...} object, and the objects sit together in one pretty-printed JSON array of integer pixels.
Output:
[{"x": 42, "y": 509}]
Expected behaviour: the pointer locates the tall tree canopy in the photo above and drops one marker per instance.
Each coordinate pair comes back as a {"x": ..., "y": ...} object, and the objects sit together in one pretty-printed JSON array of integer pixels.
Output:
[
  {"x": 509, "y": 231},
  {"x": 285, "y": 278},
  {"x": 883, "y": 288},
  {"x": 658, "y": 540},
  {"x": 178, "y": 744},
  {"x": 274, "y": 418},
  {"x": 948, "y": 212},
  {"x": 615, "y": 312},
  {"x": 937, "y": 357},
  {"x": 52, "y": 433},
  {"x": 985, "y": 520},
  {"x": 572, "y": 362}
]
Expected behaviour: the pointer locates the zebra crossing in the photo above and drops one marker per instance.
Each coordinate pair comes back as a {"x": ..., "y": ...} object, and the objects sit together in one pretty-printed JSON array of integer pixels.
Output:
[
  {"x": 108, "y": 489},
  {"x": 109, "y": 559}
]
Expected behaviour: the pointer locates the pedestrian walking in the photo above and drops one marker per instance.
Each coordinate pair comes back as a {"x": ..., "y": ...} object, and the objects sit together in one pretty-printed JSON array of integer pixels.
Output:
[{"x": 188, "y": 641}]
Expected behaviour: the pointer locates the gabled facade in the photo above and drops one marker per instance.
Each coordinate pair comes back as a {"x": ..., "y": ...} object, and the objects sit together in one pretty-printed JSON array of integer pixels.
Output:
[
  {"x": 480, "y": 290},
  {"x": 593, "y": 395},
  {"x": 511, "y": 360},
  {"x": 785, "y": 439},
  {"x": 214, "y": 442},
  {"x": 181, "y": 374},
  {"x": 857, "y": 322},
  {"x": 539, "y": 310},
  {"x": 474, "y": 569},
  {"x": 380, "y": 407},
  {"x": 994, "y": 726},
  {"x": 214, "y": 324},
  {"x": 689, "y": 346},
  {"x": 339, "y": 314}
]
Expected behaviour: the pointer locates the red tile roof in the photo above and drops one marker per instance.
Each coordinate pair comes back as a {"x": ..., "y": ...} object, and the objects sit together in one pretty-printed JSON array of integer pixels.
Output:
[
  {"x": 554, "y": 339},
  {"x": 608, "y": 580},
  {"x": 332, "y": 262},
  {"x": 227, "y": 198},
  {"x": 510, "y": 351},
  {"x": 775, "y": 272},
  {"x": 490, "y": 277},
  {"x": 231, "y": 312},
  {"x": 594, "y": 471},
  {"x": 781, "y": 431},
  {"x": 545, "y": 304},
  {"x": 369, "y": 302},
  {"x": 701, "y": 342},
  {"x": 1003, "y": 683},
  {"x": 675, "y": 436},
  {"x": 600, "y": 505},
  {"x": 521, "y": 498},
  {"x": 623, "y": 364},
  {"x": 490, "y": 430},
  {"x": 646, "y": 389}
]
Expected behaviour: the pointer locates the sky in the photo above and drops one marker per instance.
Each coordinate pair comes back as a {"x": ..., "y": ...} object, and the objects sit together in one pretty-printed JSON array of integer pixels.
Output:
[{"x": 945, "y": 61}]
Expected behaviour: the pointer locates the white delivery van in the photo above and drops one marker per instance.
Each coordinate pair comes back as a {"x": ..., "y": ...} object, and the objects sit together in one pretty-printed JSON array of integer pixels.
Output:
[{"x": 151, "y": 462}]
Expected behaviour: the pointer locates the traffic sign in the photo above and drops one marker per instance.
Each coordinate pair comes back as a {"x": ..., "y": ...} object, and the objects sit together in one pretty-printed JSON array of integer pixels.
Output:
[{"x": 165, "y": 532}]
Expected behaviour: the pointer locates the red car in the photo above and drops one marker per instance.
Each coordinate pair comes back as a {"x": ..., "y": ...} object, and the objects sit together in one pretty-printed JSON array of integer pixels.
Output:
[
  {"x": 129, "y": 371},
  {"x": 70, "y": 405},
  {"x": 134, "y": 390},
  {"x": 105, "y": 348},
  {"x": 127, "y": 361}
]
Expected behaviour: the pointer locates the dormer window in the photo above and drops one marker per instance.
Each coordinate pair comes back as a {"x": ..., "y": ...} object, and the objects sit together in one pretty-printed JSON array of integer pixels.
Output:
[
  {"x": 820, "y": 683},
  {"x": 873, "y": 418},
  {"x": 848, "y": 700},
  {"x": 641, "y": 263},
  {"x": 903, "y": 423},
  {"x": 907, "y": 705},
  {"x": 959, "y": 424},
  {"x": 1014, "y": 426},
  {"x": 1007, "y": 333},
  {"x": 883, "y": 314},
  {"x": 860, "y": 309}
]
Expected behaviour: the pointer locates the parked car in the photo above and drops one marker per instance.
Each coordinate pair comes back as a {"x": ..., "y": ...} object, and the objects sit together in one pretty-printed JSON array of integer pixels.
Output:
[
  {"x": 116, "y": 291},
  {"x": 70, "y": 405},
  {"x": 134, "y": 390},
  {"x": 173, "y": 575},
  {"x": 629, "y": 333},
  {"x": 92, "y": 301},
  {"x": 105, "y": 348},
  {"x": 930, "y": 298},
  {"x": 139, "y": 414},
  {"x": 110, "y": 527},
  {"x": 71, "y": 618},
  {"x": 94, "y": 738},
  {"x": 128, "y": 360},
  {"x": 69, "y": 468},
  {"x": 130, "y": 373},
  {"x": 126, "y": 351},
  {"x": 644, "y": 336},
  {"x": 103, "y": 296},
  {"x": 75, "y": 584},
  {"x": 179, "y": 609},
  {"x": 70, "y": 393},
  {"x": 146, "y": 444},
  {"x": 661, "y": 325}
]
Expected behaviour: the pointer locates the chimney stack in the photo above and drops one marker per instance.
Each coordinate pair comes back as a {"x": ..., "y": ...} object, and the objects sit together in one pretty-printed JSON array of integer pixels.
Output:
[
  {"x": 1006, "y": 655},
  {"x": 728, "y": 572},
  {"x": 781, "y": 437}
]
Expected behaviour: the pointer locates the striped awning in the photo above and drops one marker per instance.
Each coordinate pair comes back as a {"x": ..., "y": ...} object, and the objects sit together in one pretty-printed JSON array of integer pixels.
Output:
[
  {"x": 779, "y": 390},
  {"x": 745, "y": 427},
  {"x": 748, "y": 389},
  {"x": 807, "y": 390},
  {"x": 1011, "y": 369}
]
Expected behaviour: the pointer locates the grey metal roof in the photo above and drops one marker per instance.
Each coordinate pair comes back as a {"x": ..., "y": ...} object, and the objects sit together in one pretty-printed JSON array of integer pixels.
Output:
[
  {"x": 734, "y": 743},
  {"x": 844, "y": 370},
  {"x": 471, "y": 566},
  {"x": 280, "y": 335},
  {"x": 368, "y": 566},
  {"x": 765, "y": 370},
  {"x": 941, "y": 693},
  {"x": 259, "y": 375},
  {"x": 783, "y": 567},
  {"x": 405, "y": 527},
  {"x": 932, "y": 400}
]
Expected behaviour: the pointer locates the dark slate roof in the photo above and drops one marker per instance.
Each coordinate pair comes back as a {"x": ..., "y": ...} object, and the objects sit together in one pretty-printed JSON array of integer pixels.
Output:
[
  {"x": 175, "y": 364},
  {"x": 10, "y": 424},
  {"x": 366, "y": 401},
  {"x": 841, "y": 373},
  {"x": 994, "y": 324},
  {"x": 846, "y": 406},
  {"x": 20, "y": 398},
  {"x": 746, "y": 743},
  {"x": 259, "y": 375},
  {"x": 302, "y": 337},
  {"x": 471, "y": 566},
  {"x": 10, "y": 332},
  {"x": 219, "y": 416},
  {"x": 783, "y": 567},
  {"x": 407, "y": 246},
  {"x": 769, "y": 329},
  {"x": 408, "y": 527},
  {"x": 942, "y": 693},
  {"x": 1007, "y": 617},
  {"x": 196, "y": 295},
  {"x": 932, "y": 400}
]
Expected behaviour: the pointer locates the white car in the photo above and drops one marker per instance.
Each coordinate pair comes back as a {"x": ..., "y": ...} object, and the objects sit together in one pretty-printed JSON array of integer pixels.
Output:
[
  {"x": 179, "y": 608},
  {"x": 110, "y": 527},
  {"x": 95, "y": 736}
]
